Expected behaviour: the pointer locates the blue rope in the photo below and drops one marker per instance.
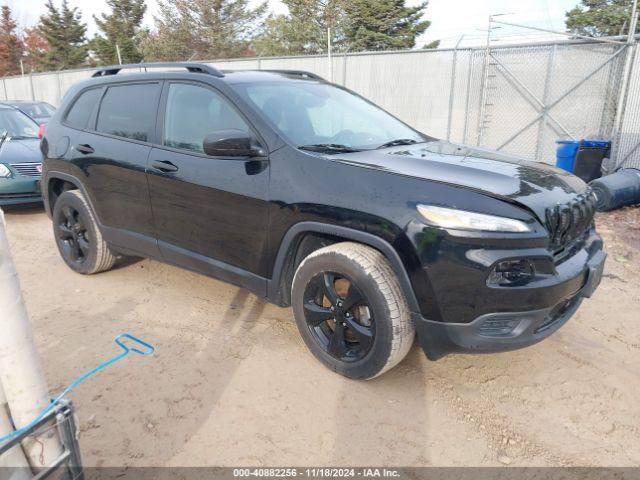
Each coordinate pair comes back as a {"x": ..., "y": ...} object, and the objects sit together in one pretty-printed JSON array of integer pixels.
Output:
[{"x": 148, "y": 350}]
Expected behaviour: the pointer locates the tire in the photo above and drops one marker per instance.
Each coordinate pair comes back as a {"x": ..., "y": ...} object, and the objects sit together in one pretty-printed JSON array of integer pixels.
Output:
[
  {"x": 362, "y": 328},
  {"x": 77, "y": 235}
]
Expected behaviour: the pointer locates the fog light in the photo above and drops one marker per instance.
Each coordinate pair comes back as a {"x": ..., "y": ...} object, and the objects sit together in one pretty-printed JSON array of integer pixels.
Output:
[
  {"x": 498, "y": 327},
  {"x": 512, "y": 272}
]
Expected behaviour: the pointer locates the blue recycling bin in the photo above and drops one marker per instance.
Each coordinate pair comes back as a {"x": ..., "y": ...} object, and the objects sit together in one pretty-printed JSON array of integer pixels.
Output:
[
  {"x": 566, "y": 154},
  {"x": 583, "y": 158}
]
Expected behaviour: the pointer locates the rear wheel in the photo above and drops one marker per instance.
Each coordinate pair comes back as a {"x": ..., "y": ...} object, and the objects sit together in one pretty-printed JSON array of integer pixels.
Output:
[
  {"x": 350, "y": 310},
  {"x": 77, "y": 235}
]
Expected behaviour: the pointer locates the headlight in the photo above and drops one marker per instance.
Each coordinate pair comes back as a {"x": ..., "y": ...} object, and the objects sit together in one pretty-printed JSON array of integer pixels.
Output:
[
  {"x": 463, "y": 220},
  {"x": 4, "y": 171}
]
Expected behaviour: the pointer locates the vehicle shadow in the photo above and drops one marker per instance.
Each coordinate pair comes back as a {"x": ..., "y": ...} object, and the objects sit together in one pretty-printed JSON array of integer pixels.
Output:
[
  {"x": 202, "y": 364},
  {"x": 23, "y": 210},
  {"x": 397, "y": 401}
]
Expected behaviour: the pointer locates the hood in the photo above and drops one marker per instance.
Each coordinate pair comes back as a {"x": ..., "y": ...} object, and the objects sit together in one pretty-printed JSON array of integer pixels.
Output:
[
  {"x": 20, "y": 151},
  {"x": 534, "y": 185}
]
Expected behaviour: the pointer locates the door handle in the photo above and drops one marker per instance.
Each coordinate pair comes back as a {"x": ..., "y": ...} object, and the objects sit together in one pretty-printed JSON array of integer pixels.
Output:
[
  {"x": 164, "y": 166},
  {"x": 85, "y": 149}
]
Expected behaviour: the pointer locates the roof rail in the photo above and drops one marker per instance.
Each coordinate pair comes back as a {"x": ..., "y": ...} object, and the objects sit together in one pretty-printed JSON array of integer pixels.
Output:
[
  {"x": 299, "y": 73},
  {"x": 191, "y": 66}
]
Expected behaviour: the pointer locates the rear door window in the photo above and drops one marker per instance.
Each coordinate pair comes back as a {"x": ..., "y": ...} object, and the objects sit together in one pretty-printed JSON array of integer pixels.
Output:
[
  {"x": 129, "y": 111},
  {"x": 82, "y": 108}
]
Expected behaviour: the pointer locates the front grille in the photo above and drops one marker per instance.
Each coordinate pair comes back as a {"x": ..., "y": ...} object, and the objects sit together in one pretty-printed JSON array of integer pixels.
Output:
[
  {"x": 567, "y": 222},
  {"x": 28, "y": 169}
]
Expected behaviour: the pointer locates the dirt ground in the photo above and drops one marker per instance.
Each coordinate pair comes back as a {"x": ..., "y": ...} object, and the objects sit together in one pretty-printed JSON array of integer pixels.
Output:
[{"x": 231, "y": 382}]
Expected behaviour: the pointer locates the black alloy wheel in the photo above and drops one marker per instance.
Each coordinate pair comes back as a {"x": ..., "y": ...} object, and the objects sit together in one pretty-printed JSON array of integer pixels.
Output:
[
  {"x": 78, "y": 235},
  {"x": 339, "y": 317},
  {"x": 74, "y": 237}
]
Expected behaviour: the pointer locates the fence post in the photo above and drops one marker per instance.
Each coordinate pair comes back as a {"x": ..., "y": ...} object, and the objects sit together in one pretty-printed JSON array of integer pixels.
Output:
[
  {"x": 33, "y": 93},
  {"x": 59, "y": 87},
  {"x": 483, "y": 85},
  {"x": 467, "y": 97},
  {"x": 622, "y": 101},
  {"x": 4, "y": 85},
  {"x": 545, "y": 97},
  {"x": 344, "y": 69},
  {"x": 452, "y": 86}
]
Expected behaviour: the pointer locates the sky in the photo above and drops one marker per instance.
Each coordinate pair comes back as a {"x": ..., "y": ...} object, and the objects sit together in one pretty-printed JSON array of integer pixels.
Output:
[{"x": 450, "y": 19}]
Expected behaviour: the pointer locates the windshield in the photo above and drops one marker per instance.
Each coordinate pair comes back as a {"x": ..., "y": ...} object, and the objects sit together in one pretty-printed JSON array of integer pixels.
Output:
[
  {"x": 37, "y": 109},
  {"x": 319, "y": 114},
  {"x": 17, "y": 124}
]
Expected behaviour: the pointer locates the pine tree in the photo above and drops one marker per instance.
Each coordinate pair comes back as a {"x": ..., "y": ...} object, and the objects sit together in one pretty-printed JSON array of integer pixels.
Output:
[
  {"x": 356, "y": 25},
  {"x": 203, "y": 29},
  {"x": 35, "y": 50},
  {"x": 65, "y": 33},
  {"x": 120, "y": 27},
  {"x": 304, "y": 29},
  {"x": 10, "y": 45},
  {"x": 384, "y": 24},
  {"x": 600, "y": 18}
]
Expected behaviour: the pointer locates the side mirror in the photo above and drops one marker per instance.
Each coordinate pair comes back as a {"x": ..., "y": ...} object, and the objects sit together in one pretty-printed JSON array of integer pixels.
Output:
[{"x": 231, "y": 143}]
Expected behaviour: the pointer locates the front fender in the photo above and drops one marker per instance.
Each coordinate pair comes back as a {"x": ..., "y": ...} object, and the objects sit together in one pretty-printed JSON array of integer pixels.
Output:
[{"x": 299, "y": 229}]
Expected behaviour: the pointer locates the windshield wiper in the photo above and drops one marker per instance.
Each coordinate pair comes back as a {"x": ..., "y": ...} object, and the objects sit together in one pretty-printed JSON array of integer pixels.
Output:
[
  {"x": 23, "y": 137},
  {"x": 328, "y": 148},
  {"x": 3, "y": 137},
  {"x": 397, "y": 142}
]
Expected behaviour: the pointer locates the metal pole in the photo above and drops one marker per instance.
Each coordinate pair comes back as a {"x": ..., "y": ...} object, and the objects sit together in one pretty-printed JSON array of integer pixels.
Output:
[
  {"x": 483, "y": 85},
  {"x": 21, "y": 371},
  {"x": 545, "y": 95},
  {"x": 585, "y": 37},
  {"x": 59, "y": 87},
  {"x": 468, "y": 96},
  {"x": 626, "y": 78},
  {"x": 68, "y": 433},
  {"x": 329, "y": 54},
  {"x": 344, "y": 69},
  {"x": 633, "y": 22},
  {"x": 452, "y": 86},
  {"x": 33, "y": 93},
  {"x": 118, "y": 52}
]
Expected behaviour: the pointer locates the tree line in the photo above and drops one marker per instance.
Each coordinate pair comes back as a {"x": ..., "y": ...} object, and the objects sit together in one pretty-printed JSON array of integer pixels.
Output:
[
  {"x": 209, "y": 29},
  {"x": 204, "y": 29}
]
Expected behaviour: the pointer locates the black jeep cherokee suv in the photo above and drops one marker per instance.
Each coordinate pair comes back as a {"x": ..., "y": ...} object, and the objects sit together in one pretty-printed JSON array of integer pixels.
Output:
[{"x": 309, "y": 195}]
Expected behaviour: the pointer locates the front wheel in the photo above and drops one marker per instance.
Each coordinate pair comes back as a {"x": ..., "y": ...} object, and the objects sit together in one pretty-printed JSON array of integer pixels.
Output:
[{"x": 350, "y": 310}]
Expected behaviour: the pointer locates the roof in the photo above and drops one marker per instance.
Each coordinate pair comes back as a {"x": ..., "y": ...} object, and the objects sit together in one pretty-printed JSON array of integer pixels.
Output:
[
  {"x": 22, "y": 102},
  {"x": 245, "y": 76},
  {"x": 192, "y": 68}
]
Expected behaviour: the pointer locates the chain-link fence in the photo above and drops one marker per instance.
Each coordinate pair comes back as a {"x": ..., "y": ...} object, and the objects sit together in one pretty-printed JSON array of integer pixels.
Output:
[
  {"x": 519, "y": 99},
  {"x": 627, "y": 146}
]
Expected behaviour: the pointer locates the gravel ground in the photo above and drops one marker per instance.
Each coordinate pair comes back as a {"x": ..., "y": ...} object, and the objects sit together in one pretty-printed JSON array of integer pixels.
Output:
[{"x": 232, "y": 383}]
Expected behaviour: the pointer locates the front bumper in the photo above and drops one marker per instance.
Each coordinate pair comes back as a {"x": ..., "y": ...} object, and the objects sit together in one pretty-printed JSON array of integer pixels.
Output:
[
  {"x": 509, "y": 330},
  {"x": 19, "y": 190}
]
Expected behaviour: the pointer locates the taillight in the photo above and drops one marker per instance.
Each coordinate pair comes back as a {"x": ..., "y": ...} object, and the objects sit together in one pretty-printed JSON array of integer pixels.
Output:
[{"x": 41, "y": 131}]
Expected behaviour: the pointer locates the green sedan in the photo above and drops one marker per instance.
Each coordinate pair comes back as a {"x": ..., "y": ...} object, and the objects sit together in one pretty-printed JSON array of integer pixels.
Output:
[{"x": 20, "y": 158}]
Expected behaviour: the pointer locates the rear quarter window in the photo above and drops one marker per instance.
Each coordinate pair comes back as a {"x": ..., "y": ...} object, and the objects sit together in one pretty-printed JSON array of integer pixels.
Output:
[
  {"x": 129, "y": 111},
  {"x": 79, "y": 113}
]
